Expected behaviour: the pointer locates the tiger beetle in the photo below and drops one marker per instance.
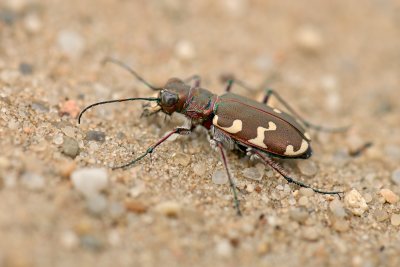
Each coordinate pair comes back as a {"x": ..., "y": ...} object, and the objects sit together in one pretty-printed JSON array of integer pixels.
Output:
[{"x": 233, "y": 122}]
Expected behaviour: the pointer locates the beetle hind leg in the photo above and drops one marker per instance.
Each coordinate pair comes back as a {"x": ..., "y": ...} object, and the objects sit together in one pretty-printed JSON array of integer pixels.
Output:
[{"x": 275, "y": 165}]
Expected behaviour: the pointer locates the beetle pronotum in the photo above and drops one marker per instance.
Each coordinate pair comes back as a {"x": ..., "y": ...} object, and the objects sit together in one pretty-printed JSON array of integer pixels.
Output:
[{"x": 232, "y": 121}]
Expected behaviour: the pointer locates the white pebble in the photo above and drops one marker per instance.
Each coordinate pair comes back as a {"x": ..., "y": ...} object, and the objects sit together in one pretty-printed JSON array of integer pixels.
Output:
[
  {"x": 220, "y": 177},
  {"x": 58, "y": 139},
  {"x": 32, "y": 23},
  {"x": 395, "y": 219},
  {"x": 224, "y": 248},
  {"x": 169, "y": 208},
  {"x": 137, "y": 190},
  {"x": 32, "y": 181},
  {"x": 69, "y": 239},
  {"x": 309, "y": 38},
  {"x": 252, "y": 173},
  {"x": 336, "y": 207},
  {"x": 355, "y": 202},
  {"x": 90, "y": 181},
  {"x": 184, "y": 49},
  {"x": 307, "y": 167},
  {"x": 71, "y": 43}
]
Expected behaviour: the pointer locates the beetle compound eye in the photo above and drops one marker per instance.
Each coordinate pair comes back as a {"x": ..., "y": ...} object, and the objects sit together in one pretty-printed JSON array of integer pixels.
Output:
[{"x": 169, "y": 99}]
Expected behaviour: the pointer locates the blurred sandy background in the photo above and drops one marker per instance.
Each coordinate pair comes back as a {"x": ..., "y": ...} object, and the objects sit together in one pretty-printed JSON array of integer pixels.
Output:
[{"x": 336, "y": 62}]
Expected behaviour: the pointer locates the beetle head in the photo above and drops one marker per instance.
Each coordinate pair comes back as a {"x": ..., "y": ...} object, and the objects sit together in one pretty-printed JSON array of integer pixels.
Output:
[{"x": 173, "y": 96}]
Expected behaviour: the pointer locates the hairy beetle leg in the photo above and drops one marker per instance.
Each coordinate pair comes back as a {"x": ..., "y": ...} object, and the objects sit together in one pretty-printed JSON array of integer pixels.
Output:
[
  {"x": 231, "y": 182},
  {"x": 289, "y": 179},
  {"x": 178, "y": 130}
]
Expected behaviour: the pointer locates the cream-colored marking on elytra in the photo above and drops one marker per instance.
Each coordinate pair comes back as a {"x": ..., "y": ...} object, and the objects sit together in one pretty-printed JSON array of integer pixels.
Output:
[
  {"x": 307, "y": 135},
  {"x": 290, "y": 152},
  {"x": 277, "y": 110},
  {"x": 236, "y": 127},
  {"x": 259, "y": 140}
]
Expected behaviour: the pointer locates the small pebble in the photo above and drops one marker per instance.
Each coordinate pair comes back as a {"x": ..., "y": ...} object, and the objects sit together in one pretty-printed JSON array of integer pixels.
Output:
[
  {"x": 25, "y": 68},
  {"x": 69, "y": 239},
  {"x": 58, "y": 139},
  {"x": 199, "y": 169},
  {"x": 337, "y": 208},
  {"x": 224, "y": 248},
  {"x": 184, "y": 49},
  {"x": 389, "y": 196},
  {"x": 32, "y": 181},
  {"x": 341, "y": 225},
  {"x": 307, "y": 192},
  {"x": 169, "y": 208},
  {"x": 97, "y": 136},
  {"x": 32, "y": 23},
  {"x": 299, "y": 215},
  {"x": 91, "y": 243},
  {"x": 396, "y": 176},
  {"x": 182, "y": 159},
  {"x": 395, "y": 219},
  {"x": 263, "y": 248},
  {"x": 71, "y": 43},
  {"x": 309, "y": 39},
  {"x": 90, "y": 181},
  {"x": 68, "y": 131},
  {"x": 220, "y": 177},
  {"x": 70, "y": 108},
  {"x": 70, "y": 147},
  {"x": 303, "y": 201},
  {"x": 96, "y": 204},
  {"x": 135, "y": 206},
  {"x": 368, "y": 197},
  {"x": 307, "y": 167},
  {"x": 40, "y": 107},
  {"x": 250, "y": 188},
  {"x": 381, "y": 215},
  {"x": 137, "y": 190},
  {"x": 252, "y": 173},
  {"x": 355, "y": 202},
  {"x": 310, "y": 233}
]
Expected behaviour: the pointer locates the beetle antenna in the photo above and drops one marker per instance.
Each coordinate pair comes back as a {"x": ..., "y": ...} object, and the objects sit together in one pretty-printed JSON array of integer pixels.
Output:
[
  {"x": 131, "y": 71},
  {"x": 114, "y": 101}
]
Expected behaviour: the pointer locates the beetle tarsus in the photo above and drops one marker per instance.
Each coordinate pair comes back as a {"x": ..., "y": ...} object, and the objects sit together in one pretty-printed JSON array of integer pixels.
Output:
[{"x": 289, "y": 179}]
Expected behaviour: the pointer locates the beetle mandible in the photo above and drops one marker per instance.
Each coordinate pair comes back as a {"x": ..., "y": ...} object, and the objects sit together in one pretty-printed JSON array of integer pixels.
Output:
[{"x": 232, "y": 121}]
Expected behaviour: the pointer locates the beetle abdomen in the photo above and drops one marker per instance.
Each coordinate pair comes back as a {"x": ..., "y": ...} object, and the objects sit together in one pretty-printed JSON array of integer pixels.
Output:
[{"x": 261, "y": 126}]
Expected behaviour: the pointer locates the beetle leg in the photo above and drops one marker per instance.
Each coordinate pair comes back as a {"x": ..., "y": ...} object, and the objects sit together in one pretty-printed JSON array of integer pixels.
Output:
[
  {"x": 275, "y": 165},
  {"x": 271, "y": 92},
  {"x": 196, "y": 78},
  {"x": 231, "y": 182},
  {"x": 178, "y": 130}
]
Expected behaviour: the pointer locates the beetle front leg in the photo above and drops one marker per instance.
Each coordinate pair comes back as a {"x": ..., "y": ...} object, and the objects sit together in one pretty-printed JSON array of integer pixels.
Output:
[
  {"x": 275, "y": 165},
  {"x": 178, "y": 130}
]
